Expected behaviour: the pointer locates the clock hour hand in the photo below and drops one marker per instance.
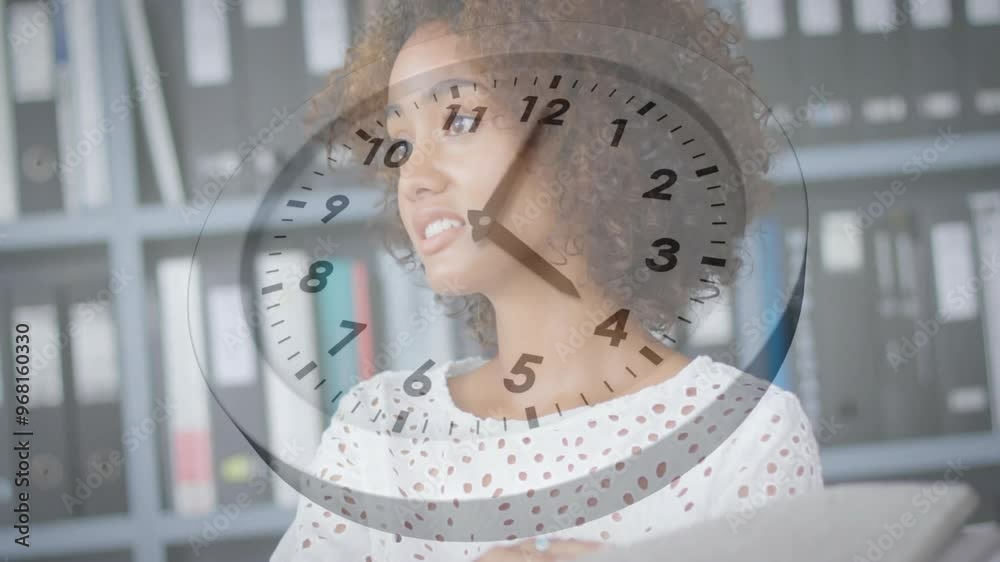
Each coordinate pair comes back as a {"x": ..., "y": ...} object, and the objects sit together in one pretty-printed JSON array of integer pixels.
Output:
[{"x": 505, "y": 239}]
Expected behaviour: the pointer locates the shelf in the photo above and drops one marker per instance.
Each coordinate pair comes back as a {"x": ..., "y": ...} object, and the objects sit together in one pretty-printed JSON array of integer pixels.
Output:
[
  {"x": 887, "y": 158},
  {"x": 56, "y": 230},
  {"x": 250, "y": 523},
  {"x": 896, "y": 458}
]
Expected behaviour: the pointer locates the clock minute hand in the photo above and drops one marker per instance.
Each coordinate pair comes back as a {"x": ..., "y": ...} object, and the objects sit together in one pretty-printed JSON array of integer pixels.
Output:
[
  {"x": 505, "y": 239},
  {"x": 498, "y": 199}
]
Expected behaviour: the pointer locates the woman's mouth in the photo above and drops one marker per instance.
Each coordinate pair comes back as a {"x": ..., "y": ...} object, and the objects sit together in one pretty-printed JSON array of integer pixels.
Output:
[{"x": 438, "y": 229}]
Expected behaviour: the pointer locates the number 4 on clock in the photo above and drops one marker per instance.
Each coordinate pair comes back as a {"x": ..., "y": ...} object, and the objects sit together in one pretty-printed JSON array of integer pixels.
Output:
[{"x": 614, "y": 327}]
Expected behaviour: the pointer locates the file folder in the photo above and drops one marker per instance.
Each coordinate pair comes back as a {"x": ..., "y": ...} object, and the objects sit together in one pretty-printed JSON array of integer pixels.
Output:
[
  {"x": 979, "y": 30},
  {"x": 877, "y": 51},
  {"x": 824, "y": 80}
]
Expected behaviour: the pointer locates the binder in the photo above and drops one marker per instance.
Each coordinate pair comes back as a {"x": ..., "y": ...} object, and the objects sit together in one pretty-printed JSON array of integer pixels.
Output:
[
  {"x": 326, "y": 34},
  {"x": 986, "y": 216},
  {"x": 958, "y": 346},
  {"x": 33, "y": 56},
  {"x": 52, "y": 453},
  {"x": 824, "y": 84},
  {"x": 190, "y": 473},
  {"x": 979, "y": 30},
  {"x": 415, "y": 326},
  {"x": 233, "y": 372},
  {"x": 362, "y": 290},
  {"x": 844, "y": 293},
  {"x": 272, "y": 78},
  {"x": 100, "y": 452},
  {"x": 295, "y": 417},
  {"x": 335, "y": 304},
  {"x": 908, "y": 386},
  {"x": 193, "y": 46},
  {"x": 766, "y": 24},
  {"x": 935, "y": 62},
  {"x": 7, "y": 411},
  {"x": 875, "y": 48},
  {"x": 85, "y": 165},
  {"x": 9, "y": 200}
]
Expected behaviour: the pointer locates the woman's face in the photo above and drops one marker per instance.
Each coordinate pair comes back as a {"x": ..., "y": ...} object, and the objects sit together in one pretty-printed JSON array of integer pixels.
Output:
[{"x": 454, "y": 171}]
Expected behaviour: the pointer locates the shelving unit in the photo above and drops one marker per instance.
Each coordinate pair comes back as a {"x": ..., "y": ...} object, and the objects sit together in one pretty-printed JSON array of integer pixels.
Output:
[{"x": 127, "y": 226}]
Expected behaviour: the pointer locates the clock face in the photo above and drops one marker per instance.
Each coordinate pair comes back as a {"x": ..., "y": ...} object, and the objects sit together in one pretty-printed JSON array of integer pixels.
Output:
[{"x": 558, "y": 111}]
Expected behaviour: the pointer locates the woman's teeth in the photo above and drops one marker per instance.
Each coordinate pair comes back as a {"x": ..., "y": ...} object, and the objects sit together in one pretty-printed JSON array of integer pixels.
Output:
[{"x": 439, "y": 226}]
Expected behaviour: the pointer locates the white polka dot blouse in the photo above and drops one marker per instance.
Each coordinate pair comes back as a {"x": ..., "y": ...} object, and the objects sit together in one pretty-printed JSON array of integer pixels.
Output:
[{"x": 771, "y": 455}]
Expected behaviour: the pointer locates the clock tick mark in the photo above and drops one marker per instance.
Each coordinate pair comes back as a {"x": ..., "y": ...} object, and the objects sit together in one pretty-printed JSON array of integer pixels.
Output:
[
  {"x": 274, "y": 306},
  {"x": 400, "y": 421},
  {"x": 594, "y": 88},
  {"x": 272, "y": 289},
  {"x": 296, "y": 204},
  {"x": 287, "y": 220},
  {"x": 677, "y": 128},
  {"x": 720, "y": 223},
  {"x": 435, "y": 97},
  {"x": 682, "y": 319},
  {"x": 294, "y": 355},
  {"x": 707, "y": 171},
  {"x": 535, "y": 83},
  {"x": 284, "y": 340},
  {"x": 379, "y": 123},
  {"x": 532, "y": 416},
  {"x": 612, "y": 92},
  {"x": 319, "y": 384},
  {"x": 377, "y": 414},
  {"x": 451, "y": 426},
  {"x": 628, "y": 101},
  {"x": 645, "y": 109},
  {"x": 714, "y": 262},
  {"x": 687, "y": 142},
  {"x": 558, "y": 409},
  {"x": 355, "y": 406},
  {"x": 609, "y": 386},
  {"x": 455, "y": 94},
  {"x": 396, "y": 111},
  {"x": 718, "y": 204},
  {"x": 318, "y": 173},
  {"x": 575, "y": 82},
  {"x": 274, "y": 254},
  {"x": 699, "y": 301},
  {"x": 662, "y": 117},
  {"x": 424, "y": 430},
  {"x": 271, "y": 271},
  {"x": 718, "y": 241},
  {"x": 310, "y": 367},
  {"x": 631, "y": 372},
  {"x": 713, "y": 187},
  {"x": 278, "y": 323},
  {"x": 697, "y": 156},
  {"x": 584, "y": 399},
  {"x": 306, "y": 187},
  {"x": 650, "y": 355},
  {"x": 555, "y": 82}
]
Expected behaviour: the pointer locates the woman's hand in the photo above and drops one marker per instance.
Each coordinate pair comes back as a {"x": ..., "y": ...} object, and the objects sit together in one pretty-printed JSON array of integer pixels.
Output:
[{"x": 525, "y": 551}]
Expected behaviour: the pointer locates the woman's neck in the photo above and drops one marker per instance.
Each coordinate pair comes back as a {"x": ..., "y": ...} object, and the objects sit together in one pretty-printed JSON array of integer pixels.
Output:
[{"x": 584, "y": 357}]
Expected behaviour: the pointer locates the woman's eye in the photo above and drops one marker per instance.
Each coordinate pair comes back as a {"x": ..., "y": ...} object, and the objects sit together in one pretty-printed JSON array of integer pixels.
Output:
[{"x": 461, "y": 124}]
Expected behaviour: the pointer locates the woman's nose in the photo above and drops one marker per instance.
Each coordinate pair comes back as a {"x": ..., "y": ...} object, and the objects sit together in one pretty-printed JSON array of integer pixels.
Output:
[{"x": 420, "y": 177}]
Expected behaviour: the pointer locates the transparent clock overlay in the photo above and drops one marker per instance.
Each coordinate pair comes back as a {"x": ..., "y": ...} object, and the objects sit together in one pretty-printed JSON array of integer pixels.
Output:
[{"x": 325, "y": 196}]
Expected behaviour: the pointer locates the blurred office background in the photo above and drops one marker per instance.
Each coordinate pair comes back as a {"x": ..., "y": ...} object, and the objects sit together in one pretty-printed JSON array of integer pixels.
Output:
[{"x": 893, "y": 108}]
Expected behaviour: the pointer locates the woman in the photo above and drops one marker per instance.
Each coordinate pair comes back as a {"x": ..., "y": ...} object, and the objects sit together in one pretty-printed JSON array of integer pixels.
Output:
[{"x": 589, "y": 234}]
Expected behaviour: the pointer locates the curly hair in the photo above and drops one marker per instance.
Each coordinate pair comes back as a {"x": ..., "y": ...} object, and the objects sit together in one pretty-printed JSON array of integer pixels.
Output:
[{"x": 606, "y": 198}]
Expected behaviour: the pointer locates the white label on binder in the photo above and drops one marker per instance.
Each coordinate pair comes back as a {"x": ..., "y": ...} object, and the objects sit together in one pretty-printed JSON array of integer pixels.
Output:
[
  {"x": 874, "y": 16},
  {"x": 326, "y": 33},
  {"x": 234, "y": 362},
  {"x": 842, "y": 241},
  {"x": 954, "y": 271},
  {"x": 206, "y": 44},
  {"x": 95, "y": 361},
  {"x": 988, "y": 101},
  {"x": 929, "y": 14},
  {"x": 819, "y": 17},
  {"x": 764, "y": 19},
  {"x": 968, "y": 400},
  {"x": 940, "y": 105},
  {"x": 31, "y": 39},
  {"x": 264, "y": 13},
  {"x": 715, "y": 325},
  {"x": 46, "y": 356},
  {"x": 982, "y": 12}
]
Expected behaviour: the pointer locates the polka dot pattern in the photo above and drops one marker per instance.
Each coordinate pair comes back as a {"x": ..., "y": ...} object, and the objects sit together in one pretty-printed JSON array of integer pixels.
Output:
[{"x": 772, "y": 455}]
